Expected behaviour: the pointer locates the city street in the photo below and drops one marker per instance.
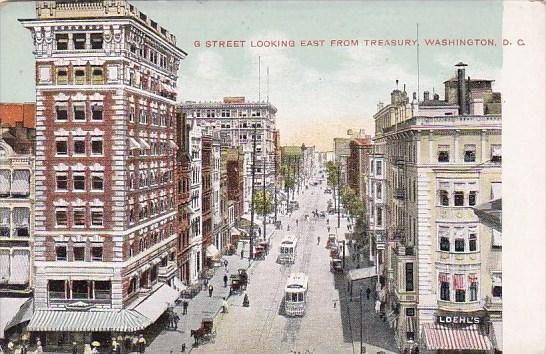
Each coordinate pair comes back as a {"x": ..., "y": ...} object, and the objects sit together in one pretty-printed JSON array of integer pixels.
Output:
[{"x": 329, "y": 325}]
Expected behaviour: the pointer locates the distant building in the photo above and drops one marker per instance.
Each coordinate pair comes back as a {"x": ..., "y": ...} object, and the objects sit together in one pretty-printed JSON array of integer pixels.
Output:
[
  {"x": 441, "y": 159},
  {"x": 237, "y": 119},
  {"x": 17, "y": 136}
]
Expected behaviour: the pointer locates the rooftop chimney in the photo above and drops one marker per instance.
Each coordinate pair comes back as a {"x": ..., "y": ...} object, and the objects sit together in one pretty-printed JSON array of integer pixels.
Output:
[
  {"x": 461, "y": 88},
  {"x": 426, "y": 96}
]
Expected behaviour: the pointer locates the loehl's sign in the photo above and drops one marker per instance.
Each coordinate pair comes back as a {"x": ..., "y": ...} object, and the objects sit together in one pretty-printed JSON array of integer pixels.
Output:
[{"x": 456, "y": 319}]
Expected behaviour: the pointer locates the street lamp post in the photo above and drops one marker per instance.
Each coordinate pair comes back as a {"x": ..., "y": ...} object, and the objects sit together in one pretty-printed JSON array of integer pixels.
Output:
[
  {"x": 338, "y": 193},
  {"x": 362, "y": 347},
  {"x": 250, "y": 252}
]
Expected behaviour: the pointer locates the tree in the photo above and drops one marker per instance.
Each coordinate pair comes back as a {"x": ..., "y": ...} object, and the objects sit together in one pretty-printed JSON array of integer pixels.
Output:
[{"x": 262, "y": 203}]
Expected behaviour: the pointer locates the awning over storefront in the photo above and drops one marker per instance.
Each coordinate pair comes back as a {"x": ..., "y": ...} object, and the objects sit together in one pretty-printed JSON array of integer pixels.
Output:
[
  {"x": 235, "y": 231},
  {"x": 361, "y": 273},
  {"x": 497, "y": 330},
  {"x": 87, "y": 321},
  {"x": 212, "y": 252},
  {"x": 133, "y": 144},
  {"x": 9, "y": 308},
  {"x": 154, "y": 305},
  {"x": 23, "y": 315},
  {"x": 438, "y": 337},
  {"x": 410, "y": 324}
]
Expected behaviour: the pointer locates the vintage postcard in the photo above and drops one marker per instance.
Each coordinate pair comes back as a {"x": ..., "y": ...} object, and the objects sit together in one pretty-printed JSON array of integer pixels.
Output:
[{"x": 271, "y": 176}]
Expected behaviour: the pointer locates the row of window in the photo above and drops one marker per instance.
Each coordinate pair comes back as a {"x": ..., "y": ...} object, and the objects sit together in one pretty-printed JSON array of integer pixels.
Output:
[
  {"x": 79, "y": 182},
  {"x": 79, "y": 41},
  {"x": 162, "y": 119},
  {"x": 149, "y": 179},
  {"x": 80, "y": 146},
  {"x": 457, "y": 198},
  {"x": 226, "y": 113},
  {"x": 79, "y": 252},
  {"x": 458, "y": 239},
  {"x": 79, "y": 112},
  {"x": 15, "y": 222},
  {"x": 80, "y": 217},
  {"x": 461, "y": 291},
  {"x": 469, "y": 153},
  {"x": 150, "y": 209},
  {"x": 151, "y": 239},
  {"x": 80, "y": 75},
  {"x": 79, "y": 290},
  {"x": 14, "y": 183}
]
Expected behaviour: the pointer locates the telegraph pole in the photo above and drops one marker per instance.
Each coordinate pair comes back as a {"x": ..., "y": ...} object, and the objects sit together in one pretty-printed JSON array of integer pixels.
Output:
[
  {"x": 265, "y": 206},
  {"x": 251, "y": 252},
  {"x": 338, "y": 193}
]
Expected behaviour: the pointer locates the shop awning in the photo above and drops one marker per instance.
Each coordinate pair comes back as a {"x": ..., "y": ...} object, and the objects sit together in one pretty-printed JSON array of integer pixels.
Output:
[
  {"x": 10, "y": 307},
  {"x": 154, "y": 305},
  {"x": 410, "y": 324},
  {"x": 213, "y": 252},
  {"x": 497, "y": 330},
  {"x": 144, "y": 144},
  {"x": 361, "y": 273},
  {"x": 235, "y": 231},
  {"x": 23, "y": 315},
  {"x": 87, "y": 321},
  {"x": 438, "y": 337},
  {"x": 133, "y": 144}
]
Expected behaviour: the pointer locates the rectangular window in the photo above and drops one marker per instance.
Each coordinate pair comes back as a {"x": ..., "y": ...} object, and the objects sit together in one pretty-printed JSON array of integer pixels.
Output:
[
  {"x": 444, "y": 291},
  {"x": 96, "y": 253},
  {"x": 444, "y": 198},
  {"x": 61, "y": 217},
  {"x": 496, "y": 153},
  {"x": 61, "y": 146},
  {"x": 443, "y": 153},
  {"x": 444, "y": 244},
  {"x": 473, "y": 289},
  {"x": 96, "y": 112},
  {"x": 458, "y": 198},
  {"x": 79, "y": 76},
  {"x": 379, "y": 190},
  {"x": 409, "y": 276},
  {"x": 79, "y": 112},
  {"x": 97, "y": 182},
  {"x": 96, "y": 147},
  {"x": 80, "y": 289},
  {"x": 472, "y": 198},
  {"x": 79, "y": 182},
  {"x": 379, "y": 168},
  {"x": 459, "y": 245},
  {"x": 62, "y": 181},
  {"x": 79, "y": 147},
  {"x": 79, "y": 40},
  {"x": 470, "y": 153},
  {"x": 79, "y": 253},
  {"x": 379, "y": 217},
  {"x": 62, "y": 41},
  {"x": 97, "y": 76},
  {"x": 61, "y": 113},
  {"x": 472, "y": 242},
  {"x": 460, "y": 295},
  {"x": 60, "y": 252},
  {"x": 410, "y": 312},
  {"x": 97, "y": 217},
  {"x": 96, "y": 40},
  {"x": 496, "y": 238},
  {"x": 56, "y": 289},
  {"x": 79, "y": 216}
]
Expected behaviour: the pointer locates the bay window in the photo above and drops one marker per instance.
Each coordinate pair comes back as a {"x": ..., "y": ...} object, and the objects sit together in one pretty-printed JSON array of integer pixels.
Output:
[
  {"x": 473, "y": 289},
  {"x": 458, "y": 284},
  {"x": 443, "y": 279}
]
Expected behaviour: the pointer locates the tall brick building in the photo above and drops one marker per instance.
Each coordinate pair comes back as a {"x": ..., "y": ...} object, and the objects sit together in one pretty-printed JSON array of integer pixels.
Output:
[{"x": 105, "y": 238}]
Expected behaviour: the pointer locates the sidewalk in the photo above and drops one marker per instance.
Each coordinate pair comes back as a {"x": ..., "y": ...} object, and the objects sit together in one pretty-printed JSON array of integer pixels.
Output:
[{"x": 202, "y": 306}]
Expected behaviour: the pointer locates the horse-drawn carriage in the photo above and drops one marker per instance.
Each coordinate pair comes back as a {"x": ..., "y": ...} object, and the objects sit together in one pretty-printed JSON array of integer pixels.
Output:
[
  {"x": 206, "y": 332},
  {"x": 239, "y": 281}
]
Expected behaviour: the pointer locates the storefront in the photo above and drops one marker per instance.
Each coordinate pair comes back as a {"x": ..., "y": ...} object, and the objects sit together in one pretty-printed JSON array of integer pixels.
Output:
[{"x": 456, "y": 333}]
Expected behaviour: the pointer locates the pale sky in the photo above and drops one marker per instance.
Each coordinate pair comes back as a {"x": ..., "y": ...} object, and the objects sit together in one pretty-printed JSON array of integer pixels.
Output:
[{"x": 319, "y": 92}]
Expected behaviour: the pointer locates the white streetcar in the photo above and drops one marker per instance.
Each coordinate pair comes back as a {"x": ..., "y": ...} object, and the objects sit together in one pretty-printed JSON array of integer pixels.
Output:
[
  {"x": 288, "y": 248},
  {"x": 295, "y": 294}
]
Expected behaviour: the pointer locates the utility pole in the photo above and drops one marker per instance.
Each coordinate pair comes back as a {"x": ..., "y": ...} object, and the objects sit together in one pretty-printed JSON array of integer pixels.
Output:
[
  {"x": 275, "y": 188},
  {"x": 251, "y": 252},
  {"x": 338, "y": 193},
  {"x": 362, "y": 347},
  {"x": 264, "y": 205}
]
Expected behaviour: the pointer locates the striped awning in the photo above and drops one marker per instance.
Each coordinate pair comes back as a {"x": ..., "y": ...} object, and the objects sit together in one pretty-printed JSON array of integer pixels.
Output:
[
  {"x": 410, "y": 324},
  {"x": 154, "y": 305},
  {"x": 87, "y": 321},
  {"x": 438, "y": 337}
]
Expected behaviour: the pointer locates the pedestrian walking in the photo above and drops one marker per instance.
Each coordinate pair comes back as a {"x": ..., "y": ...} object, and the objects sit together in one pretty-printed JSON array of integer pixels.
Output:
[
  {"x": 225, "y": 263},
  {"x": 225, "y": 280},
  {"x": 74, "y": 348},
  {"x": 205, "y": 283},
  {"x": 176, "y": 320},
  {"x": 297, "y": 222},
  {"x": 377, "y": 306},
  {"x": 39, "y": 348},
  {"x": 185, "y": 307},
  {"x": 211, "y": 289},
  {"x": 141, "y": 344},
  {"x": 318, "y": 240},
  {"x": 242, "y": 253},
  {"x": 328, "y": 228},
  {"x": 224, "y": 305}
]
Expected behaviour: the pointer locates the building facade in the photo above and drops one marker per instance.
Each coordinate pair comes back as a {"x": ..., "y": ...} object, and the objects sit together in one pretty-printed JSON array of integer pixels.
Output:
[
  {"x": 196, "y": 200},
  {"x": 442, "y": 157},
  {"x": 239, "y": 122},
  {"x": 16, "y": 215},
  {"x": 105, "y": 238}
]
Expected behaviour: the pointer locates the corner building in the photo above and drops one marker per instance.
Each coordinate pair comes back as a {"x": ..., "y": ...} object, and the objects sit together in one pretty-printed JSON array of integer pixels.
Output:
[
  {"x": 105, "y": 236},
  {"x": 442, "y": 159}
]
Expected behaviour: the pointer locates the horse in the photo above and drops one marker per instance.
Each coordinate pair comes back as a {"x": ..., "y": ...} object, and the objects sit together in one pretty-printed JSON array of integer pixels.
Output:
[{"x": 198, "y": 334}]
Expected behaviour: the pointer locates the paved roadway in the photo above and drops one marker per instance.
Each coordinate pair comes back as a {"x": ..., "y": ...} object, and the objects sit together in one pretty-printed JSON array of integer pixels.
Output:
[{"x": 330, "y": 324}]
